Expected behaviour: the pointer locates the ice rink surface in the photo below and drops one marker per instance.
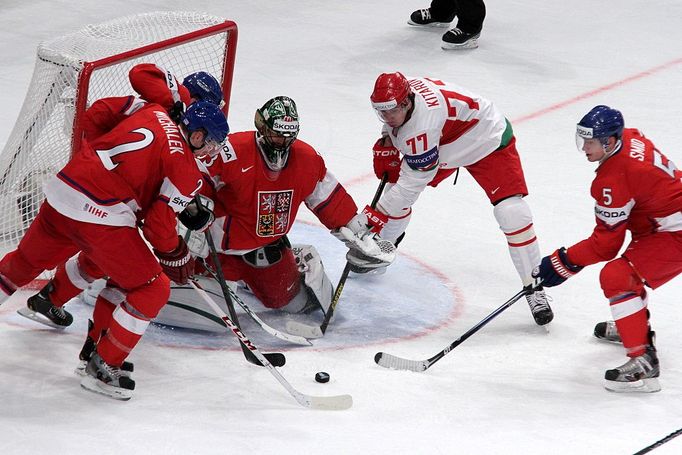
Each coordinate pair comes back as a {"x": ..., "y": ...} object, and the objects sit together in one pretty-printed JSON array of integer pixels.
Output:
[{"x": 513, "y": 388}]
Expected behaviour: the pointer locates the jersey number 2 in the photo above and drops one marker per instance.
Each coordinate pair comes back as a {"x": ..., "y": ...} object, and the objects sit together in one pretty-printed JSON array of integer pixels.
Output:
[{"x": 106, "y": 155}]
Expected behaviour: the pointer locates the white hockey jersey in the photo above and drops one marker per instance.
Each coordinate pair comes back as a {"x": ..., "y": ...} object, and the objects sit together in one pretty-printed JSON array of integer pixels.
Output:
[{"x": 449, "y": 127}]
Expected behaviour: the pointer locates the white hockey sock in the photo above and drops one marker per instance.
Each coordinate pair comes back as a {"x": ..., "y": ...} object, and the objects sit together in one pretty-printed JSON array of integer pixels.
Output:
[{"x": 516, "y": 221}]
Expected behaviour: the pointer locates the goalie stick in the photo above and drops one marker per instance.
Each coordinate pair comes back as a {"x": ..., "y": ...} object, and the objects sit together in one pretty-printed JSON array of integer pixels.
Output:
[
  {"x": 295, "y": 339},
  {"x": 398, "y": 363},
  {"x": 275, "y": 358},
  {"x": 308, "y": 331},
  {"x": 336, "y": 402}
]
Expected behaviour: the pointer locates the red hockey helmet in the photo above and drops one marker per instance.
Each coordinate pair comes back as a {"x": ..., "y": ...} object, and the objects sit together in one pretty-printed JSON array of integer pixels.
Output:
[{"x": 390, "y": 91}]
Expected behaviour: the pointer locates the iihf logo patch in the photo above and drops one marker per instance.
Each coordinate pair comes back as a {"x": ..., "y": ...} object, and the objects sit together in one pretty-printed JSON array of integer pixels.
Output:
[{"x": 274, "y": 208}]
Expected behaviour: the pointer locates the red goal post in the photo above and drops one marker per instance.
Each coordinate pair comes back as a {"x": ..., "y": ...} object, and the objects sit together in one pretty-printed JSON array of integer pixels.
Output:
[{"x": 74, "y": 70}]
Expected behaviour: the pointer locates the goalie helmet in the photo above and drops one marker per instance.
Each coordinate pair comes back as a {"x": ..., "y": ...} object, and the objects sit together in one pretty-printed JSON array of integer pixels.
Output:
[
  {"x": 204, "y": 87},
  {"x": 276, "y": 130},
  {"x": 602, "y": 122},
  {"x": 390, "y": 91},
  {"x": 206, "y": 117}
]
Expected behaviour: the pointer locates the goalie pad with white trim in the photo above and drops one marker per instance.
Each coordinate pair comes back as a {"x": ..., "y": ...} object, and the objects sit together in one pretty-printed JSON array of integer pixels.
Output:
[
  {"x": 317, "y": 289},
  {"x": 196, "y": 241}
]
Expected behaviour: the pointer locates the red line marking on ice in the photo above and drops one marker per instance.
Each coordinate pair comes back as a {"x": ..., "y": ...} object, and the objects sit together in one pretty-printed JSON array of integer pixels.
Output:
[{"x": 602, "y": 89}]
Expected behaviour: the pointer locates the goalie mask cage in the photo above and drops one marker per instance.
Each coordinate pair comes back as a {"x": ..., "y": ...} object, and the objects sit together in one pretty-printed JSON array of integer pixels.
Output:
[{"x": 77, "y": 69}]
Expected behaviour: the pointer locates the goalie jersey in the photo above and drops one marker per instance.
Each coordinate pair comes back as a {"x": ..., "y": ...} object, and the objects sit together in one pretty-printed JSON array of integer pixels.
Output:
[{"x": 255, "y": 207}]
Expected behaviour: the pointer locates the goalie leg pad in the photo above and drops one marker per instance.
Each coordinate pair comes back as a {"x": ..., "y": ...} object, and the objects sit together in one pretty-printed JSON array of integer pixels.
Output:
[{"x": 317, "y": 289}]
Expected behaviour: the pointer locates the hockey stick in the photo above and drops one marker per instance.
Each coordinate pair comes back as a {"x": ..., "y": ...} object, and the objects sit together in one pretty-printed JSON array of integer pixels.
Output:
[
  {"x": 295, "y": 339},
  {"x": 275, "y": 358},
  {"x": 336, "y": 402},
  {"x": 317, "y": 332},
  {"x": 398, "y": 363},
  {"x": 659, "y": 443}
]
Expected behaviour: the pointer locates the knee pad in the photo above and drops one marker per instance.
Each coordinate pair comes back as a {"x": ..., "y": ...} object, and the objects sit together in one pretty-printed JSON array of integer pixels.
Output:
[
  {"x": 618, "y": 278},
  {"x": 512, "y": 214}
]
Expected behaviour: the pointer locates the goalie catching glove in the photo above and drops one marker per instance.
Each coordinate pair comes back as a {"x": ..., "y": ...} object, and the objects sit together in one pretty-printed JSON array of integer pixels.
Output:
[
  {"x": 366, "y": 248},
  {"x": 178, "y": 264}
]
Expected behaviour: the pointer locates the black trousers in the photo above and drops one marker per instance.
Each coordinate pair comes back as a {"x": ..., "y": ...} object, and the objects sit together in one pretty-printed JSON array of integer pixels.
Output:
[{"x": 470, "y": 13}]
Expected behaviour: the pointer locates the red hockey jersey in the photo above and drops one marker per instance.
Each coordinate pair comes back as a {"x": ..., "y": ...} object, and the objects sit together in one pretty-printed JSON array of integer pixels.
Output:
[
  {"x": 153, "y": 84},
  {"x": 142, "y": 170},
  {"x": 254, "y": 208},
  {"x": 636, "y": 189}
]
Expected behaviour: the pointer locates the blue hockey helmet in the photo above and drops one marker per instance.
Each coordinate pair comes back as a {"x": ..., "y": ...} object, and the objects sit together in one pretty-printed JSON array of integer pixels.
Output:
[
  {"x": 602, "y": 122},
  {"x": 207, "y": 117},
  {"x": 204, "y": 87}
]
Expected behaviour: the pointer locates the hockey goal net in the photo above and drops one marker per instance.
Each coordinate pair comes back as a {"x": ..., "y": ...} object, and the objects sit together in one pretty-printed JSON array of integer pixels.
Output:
[{"x": 75, "y": 70}]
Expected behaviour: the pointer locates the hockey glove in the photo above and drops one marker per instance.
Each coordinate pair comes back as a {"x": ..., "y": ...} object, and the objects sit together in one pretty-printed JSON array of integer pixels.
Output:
[
  {"x": 198, "y": 215},
  {"x": 178, "y": 264},
  {"x": 375, "y": 220},
  {"x": 555, "y": 268},
  {"x": 386, "y": 160},
  {"x": 177, "y": 111}
]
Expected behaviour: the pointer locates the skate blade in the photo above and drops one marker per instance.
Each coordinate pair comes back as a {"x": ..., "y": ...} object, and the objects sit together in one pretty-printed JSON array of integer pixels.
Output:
[
  {"x": 80, "y": 369},
  {"x": 97, "y": 386},
  {"x": 472, "y": 44},
  {"x": 38, "y": 317},
  {"x": 643, "y": 386},
  {"x": 431, "y": 25}
]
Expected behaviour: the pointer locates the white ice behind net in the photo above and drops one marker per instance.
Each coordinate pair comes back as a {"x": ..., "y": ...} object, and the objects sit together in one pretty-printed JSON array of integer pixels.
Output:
[{"x": 40, "y": 143}]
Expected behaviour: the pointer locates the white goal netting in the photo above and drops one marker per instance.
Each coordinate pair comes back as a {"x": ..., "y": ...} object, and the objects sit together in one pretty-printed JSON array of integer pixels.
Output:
[{"x": 75, "y": 70}]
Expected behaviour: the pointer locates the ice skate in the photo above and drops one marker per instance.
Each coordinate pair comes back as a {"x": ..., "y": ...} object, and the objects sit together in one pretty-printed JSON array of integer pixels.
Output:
[
  {"x": 39, "y": 308},
  {"x": 639, "y": 374},
  {"x": 456, "y": 39},
  {"x": 423, "y": 18},
  {"x": 86, "y": 352},
  {"x": 105, "y": 379},
  {"x": 539, "y": 307},
  {"x": 607, "y": 331}
]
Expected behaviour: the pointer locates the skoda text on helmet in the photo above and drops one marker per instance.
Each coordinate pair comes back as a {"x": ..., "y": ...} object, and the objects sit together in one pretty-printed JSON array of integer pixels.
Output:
[
  {"x": 207, "y": 117},
  {"x": 391, "y": 91},
  {"x": 204, "y": 87},
  {"x": 276, "y": 130},
  {"x": 602, "y": 122}
]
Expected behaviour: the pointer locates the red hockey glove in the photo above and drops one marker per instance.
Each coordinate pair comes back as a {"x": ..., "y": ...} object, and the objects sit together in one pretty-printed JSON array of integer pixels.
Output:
[
  {"x": 178, "y": 265},
  {"x": 555, "y": 268},
  {"x": 375, "y": 219},
  {"x": 386, "y": 160}
]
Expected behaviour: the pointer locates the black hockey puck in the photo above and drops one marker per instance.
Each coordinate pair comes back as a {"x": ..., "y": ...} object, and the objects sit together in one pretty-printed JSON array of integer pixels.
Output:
[{"x": 322, "y": 377}]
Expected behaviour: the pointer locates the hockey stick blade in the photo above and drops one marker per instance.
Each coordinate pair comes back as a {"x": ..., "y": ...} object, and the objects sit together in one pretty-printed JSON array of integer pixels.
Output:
[
  {"x": 398, "y": 363},
  {"x": 304, "y": 330},
  {"x": 277, "y": 359},
  {"x": 332, "y": 403}
]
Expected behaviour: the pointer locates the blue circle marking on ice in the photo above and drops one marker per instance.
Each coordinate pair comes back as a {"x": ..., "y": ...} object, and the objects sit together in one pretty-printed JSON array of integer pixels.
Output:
[{"x": 408, "y": 301}]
